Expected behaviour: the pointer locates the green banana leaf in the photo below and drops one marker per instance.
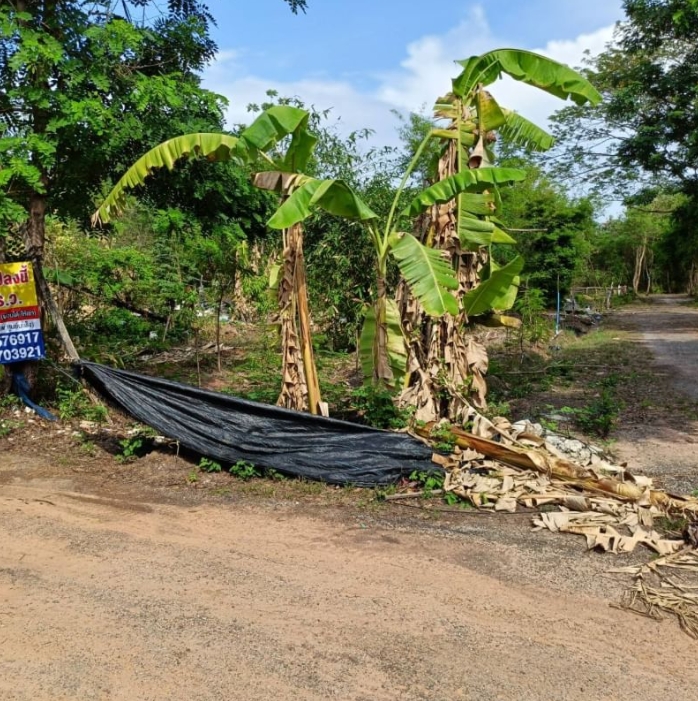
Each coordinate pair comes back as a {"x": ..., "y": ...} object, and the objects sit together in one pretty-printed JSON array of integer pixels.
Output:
[
  {"x": 498, "y": 292},
  {"x": 474, "y": 232},
  {"x": 522, "y": 132},
  {"x": 265, "y": 132},
  {"x": 489, "y": 112},
  {"x": 216, "y": 147},
  {"x": 397, "y": 349},
  {"x": 450, "y": 187},
  {"x": 528, "y": 67},
  {"x": 478, "y": 204},
  {"x": 334, "y": 196},
  {"x": 428, "y": 274}
]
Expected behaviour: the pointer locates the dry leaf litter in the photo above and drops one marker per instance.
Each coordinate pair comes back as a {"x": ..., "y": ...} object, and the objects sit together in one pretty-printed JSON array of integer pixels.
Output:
[{"x": 504, "y": 467}]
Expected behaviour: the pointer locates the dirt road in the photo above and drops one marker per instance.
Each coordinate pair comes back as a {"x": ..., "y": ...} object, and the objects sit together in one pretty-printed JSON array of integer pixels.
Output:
[
  {"x": 106, "y": 594},
  {"x": 666, "y": 448}
]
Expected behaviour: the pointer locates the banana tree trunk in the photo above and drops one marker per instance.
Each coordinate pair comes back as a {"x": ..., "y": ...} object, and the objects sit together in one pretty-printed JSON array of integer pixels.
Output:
[
  {"x": 446, "y": 364},
  {"x": 300, "y": 389},
  {"x": 382, "y": 373}
]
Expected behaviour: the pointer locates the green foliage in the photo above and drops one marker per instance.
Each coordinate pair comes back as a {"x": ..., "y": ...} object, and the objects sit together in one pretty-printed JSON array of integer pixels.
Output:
[
  {"x": 270, "y": 127},
  {"x": 131, "y": 448},
  {"x": 443, "y": 438},
  {"x": 429, "y": 275},
  {"x": 429, "y": 481},
  {"x": 244, "y": 470},
  {"x": 74, "y": 403},
  {"x": 557, "y": 232},
  {"x": 535, "y": 328},
  {"x": 77, "y": 99},
  {"x": 397, "y": 352},
  {"x": 8, "y": 426},
  {"x": 601, "y": 414},
  {"x": 376, "y": 407},
  {"x": 210, "y": 466},
  {"x": 497, "y": 291},
  {"x": 530, "y": 68}
]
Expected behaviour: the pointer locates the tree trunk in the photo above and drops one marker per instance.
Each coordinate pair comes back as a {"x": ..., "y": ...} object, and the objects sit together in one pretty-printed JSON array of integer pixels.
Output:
[
  {"x": 300, "y": 388},
  {"x": 446, "y": 365},
  {"x": 218, "y": 331},
  {"x": 304, "y": 327},
  {"x": 639, "y": 264},
  {"x": 382, "y": 372}
]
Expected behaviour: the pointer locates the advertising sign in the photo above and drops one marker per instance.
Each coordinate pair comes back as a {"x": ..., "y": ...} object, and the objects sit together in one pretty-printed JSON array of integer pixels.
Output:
[{"x": 20, "y": 317}]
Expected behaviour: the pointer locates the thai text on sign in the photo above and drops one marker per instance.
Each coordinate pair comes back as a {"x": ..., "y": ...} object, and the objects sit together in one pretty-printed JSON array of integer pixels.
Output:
[{"x": 20, "y": 317}]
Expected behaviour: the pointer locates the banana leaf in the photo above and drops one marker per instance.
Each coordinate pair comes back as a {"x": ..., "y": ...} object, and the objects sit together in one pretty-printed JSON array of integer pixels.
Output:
[
  {"x": 524, "y": 133},
  {"x": 428, "y": 274},
  {"x": 449, "y": 188},
  {"x": 479, "y": 232},
  {"x": 216, "y": 147},
  {"x": 528, "y": 67},
  {"x": 489, "y": 113},
  {"x": 397, "y": 350},
  {"x": 496, "y": 292},
  {"x": 266, "y": 131},
  {"x": 334, "y": 196}
]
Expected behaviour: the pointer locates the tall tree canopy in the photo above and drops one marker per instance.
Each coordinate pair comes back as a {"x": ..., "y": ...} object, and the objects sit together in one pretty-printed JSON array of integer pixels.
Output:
[
  {"x": 86, "y": 88},
  {"x": 646, "y": 129}
]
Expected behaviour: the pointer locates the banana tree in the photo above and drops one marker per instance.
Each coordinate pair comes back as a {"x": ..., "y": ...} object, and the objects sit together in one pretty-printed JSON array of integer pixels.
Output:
[
  {"x": 252, "y": 145},
  {"x": 425, "y": 269},
  {"x": 447, "y": 365}
]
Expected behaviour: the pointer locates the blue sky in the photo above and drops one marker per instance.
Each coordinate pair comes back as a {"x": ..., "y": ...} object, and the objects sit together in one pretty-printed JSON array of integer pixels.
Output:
[{"x": 364, "y": 58}]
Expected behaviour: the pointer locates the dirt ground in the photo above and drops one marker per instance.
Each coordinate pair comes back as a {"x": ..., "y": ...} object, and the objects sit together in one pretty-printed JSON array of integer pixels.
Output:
[
  {"x": 666, "y": 446},
  {"x": 118, "y": 587}
]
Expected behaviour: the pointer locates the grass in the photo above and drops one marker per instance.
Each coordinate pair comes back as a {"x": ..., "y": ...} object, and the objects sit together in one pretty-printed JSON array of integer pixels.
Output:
[{"x": 599, "y": 379}]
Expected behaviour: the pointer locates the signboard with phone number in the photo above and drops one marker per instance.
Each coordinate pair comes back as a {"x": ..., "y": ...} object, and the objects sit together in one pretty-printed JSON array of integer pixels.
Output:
[{"x": 20, "y": 317}]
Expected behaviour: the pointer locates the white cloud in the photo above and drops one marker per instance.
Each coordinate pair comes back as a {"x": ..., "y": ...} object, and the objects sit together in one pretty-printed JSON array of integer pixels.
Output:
[{"x": 423, "y": 75}]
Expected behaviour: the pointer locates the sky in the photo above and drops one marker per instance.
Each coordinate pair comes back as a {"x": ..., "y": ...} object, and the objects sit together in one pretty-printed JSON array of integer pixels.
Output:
[{"x": 363, "y": 59}]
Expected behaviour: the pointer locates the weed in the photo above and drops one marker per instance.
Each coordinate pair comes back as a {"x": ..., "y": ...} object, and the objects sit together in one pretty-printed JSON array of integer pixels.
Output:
[
  {"x": 7, "y": 427},
  {"x": 600, "y": 415},
  {"x": 495, "y": 409},
  {"x": 377, "y": 408},
  {"x": 193, "y": 477},
  {"x": 73, "y": 403},
  {"x": 10, "y": 401},
  {"x": 451, "y": 499},
  {"x": 429, "y": 481},
  {"x": 444, "y": 440},
  {"x": 206, "y": 465},
  {"x": 88, "y": 447},
  {"x": 131, "y": 448},
  {"x": 244, "y": 470},
  {"x": 222, "y": 492},
  {"x": 671, "y": 525}
]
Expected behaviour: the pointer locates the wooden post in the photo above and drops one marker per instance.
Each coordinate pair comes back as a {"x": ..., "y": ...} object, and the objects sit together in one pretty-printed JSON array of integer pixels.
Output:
[{"x": 53, "y": 310}]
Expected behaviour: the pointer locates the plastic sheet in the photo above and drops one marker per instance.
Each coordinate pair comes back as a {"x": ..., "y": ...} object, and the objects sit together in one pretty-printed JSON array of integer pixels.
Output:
[{"x": 227, "y": 429}]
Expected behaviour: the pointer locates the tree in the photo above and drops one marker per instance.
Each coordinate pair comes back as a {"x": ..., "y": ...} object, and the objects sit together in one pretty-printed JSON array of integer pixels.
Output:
[
  {"x": 85, "y": 89},
  {"x": 274, "y": 125},
  {"x": 446, "y": 365},
  {"x": 644, "y": 135},
  {"x": 553, "y": 231},
  {"x": 82, "y": 85},
  {"x": 425, "y": 270}
]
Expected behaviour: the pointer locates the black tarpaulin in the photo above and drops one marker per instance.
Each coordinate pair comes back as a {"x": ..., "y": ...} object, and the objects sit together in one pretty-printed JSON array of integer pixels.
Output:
[{"x": 228, "y": 429}]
